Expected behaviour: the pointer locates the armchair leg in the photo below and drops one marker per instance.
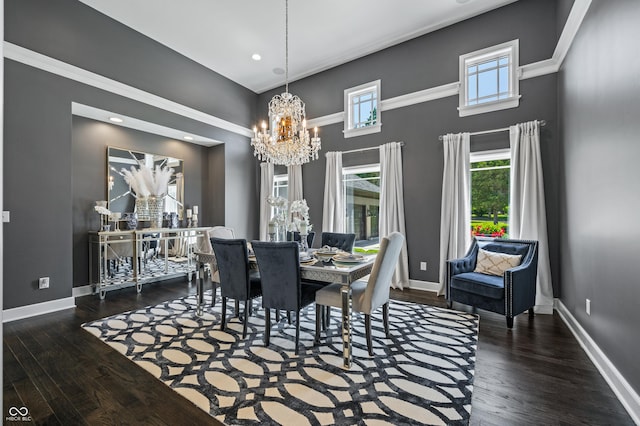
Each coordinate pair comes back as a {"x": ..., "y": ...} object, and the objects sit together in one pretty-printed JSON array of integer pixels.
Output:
[
  {"x": 237, "y": 309},
  {"x": 267, "y": 326},
  {"x": 531, "y": 313},
  {"x": 214, "y": 291},
  {"x": 289, "y": 317},
  {"x": 449, "y": 304},
  {"x": 509, "y": 322},
  {"x": 385, "y": 319},
  {"x": 224, "y": 313},
  {"x": 277, "y": 315},
  {"x": 367, "y": 327}
]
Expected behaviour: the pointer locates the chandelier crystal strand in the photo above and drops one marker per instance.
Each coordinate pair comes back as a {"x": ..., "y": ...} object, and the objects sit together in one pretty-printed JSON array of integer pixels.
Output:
[{"x": 288, "y": 143}]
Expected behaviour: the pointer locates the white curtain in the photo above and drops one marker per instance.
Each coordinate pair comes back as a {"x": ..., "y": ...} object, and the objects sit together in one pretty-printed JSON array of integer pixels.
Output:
[
  {"x": 333, "y": 208},
  {"x": 455, "y": 221},
  {"x": 527, "y": 214},
  {"x": 392, "y": 206},
  {"x": 294, "y": 175},
  {"x": 266, "y": 189}
]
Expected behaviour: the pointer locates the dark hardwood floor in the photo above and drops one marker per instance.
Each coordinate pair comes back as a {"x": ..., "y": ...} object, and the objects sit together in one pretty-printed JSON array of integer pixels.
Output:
[{"x": 534, "y": 374}]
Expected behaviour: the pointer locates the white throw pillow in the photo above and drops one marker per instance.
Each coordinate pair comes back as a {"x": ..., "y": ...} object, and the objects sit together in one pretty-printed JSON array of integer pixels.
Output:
[{"x": 493, "y": 263}]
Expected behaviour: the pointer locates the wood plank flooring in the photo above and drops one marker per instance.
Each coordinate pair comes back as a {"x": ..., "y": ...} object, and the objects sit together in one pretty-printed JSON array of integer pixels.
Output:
[{"x": 534, "y": 374}]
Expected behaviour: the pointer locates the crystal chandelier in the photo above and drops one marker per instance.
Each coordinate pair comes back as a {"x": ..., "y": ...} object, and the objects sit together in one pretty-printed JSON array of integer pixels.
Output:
[{"x": 288, "y": 142}]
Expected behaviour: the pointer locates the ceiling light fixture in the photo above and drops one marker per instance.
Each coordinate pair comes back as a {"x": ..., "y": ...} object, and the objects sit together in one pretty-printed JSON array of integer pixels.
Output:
[
  {"x": 288, "y": 143},
  {"x": 256, "y": 57},
  {"x": 116, "y": 119},
  {"x": 188, "y": 138}
]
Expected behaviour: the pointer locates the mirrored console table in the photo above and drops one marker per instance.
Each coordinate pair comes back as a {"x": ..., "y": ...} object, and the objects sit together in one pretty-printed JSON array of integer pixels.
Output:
[{"x": 120, "y": 259}]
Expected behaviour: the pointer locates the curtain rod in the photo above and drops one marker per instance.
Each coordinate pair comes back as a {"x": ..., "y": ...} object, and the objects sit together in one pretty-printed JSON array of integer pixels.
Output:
[
  {"x": 485, "y": 132},
  {"x": 366, "y": 149}
]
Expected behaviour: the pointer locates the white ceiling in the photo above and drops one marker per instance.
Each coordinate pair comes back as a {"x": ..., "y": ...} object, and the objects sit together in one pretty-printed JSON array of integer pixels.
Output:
[{"x": 223, "y": 34}]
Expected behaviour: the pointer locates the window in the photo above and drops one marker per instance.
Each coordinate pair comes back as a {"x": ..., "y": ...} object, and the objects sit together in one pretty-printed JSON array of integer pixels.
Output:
[
  {"x": 490, "y": 193},
  {"x": 362, "y": 106},
  {"x": 488, "y": 79},
  {"x": 362, "y": 204},
  {"x": 280, "y": 188}
]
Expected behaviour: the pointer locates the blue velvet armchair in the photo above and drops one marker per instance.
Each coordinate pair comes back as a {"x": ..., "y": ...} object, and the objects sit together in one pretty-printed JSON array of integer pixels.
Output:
[{"x": 510, "y": 294}]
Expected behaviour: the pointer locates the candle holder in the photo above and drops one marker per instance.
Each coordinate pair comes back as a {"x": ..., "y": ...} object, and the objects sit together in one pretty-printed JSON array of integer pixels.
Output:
[{"x": 304, "y": 246}]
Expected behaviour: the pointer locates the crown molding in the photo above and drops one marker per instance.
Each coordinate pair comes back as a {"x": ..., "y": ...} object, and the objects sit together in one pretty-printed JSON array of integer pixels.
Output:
[
  {"x": 574, "y": 22},
  {"x": 54, "y": 66}
]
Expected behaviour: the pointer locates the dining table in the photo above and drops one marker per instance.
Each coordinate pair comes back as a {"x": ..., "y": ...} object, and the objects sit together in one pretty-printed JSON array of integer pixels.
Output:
[{"x": 322, "y": 270}]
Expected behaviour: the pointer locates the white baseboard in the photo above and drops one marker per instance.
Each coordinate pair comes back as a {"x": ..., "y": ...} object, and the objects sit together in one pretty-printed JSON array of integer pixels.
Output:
[
  {"x": 84, "y": 290},
  {"x": 27, "y": 311},
  {"x": 424, "y": 285},
  {"x": 623, "y": 390}
]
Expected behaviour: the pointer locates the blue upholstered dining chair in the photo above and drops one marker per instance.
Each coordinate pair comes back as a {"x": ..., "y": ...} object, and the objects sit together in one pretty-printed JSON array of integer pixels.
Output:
[
  {"x": 367, "y": 296},
  {"x": 336, "y": 239},
  {"x": 237, "y": 280},
  {"x": 496, "y": 275},
  {"x": 279, "y": 265}
]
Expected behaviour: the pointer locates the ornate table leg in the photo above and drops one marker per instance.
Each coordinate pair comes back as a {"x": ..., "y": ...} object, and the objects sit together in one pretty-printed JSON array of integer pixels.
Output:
[{"x": 346, "y": 324}]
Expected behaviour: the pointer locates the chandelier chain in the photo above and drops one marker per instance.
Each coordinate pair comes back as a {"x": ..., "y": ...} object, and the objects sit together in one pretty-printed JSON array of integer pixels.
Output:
[
  {"x": 288, "y": 142},
  {"x": 286, "y": 45}
]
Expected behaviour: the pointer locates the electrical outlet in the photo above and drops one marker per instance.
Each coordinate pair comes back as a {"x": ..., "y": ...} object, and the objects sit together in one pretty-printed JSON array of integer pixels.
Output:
[
  {"x": 43, "y": 283},
  {"x": 588, "y": 307},
  {"x": 423, "y": 266},
  {"x": 6, "y": 217}
]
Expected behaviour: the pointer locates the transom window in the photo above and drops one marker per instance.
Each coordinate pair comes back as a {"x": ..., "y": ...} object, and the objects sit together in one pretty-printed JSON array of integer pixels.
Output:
[
  {"x": 362, "y": 107},
  {"x": 488, "y": 79}
]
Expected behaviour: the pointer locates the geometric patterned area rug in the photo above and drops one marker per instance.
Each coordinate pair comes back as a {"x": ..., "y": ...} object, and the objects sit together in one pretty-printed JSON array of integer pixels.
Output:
[{"x": 422, "y": 375}]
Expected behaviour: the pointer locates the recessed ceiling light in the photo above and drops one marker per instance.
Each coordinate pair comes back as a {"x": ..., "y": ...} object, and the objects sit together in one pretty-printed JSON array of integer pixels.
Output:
[
  {"x": 188, "y": 138},
  {"x": 116, "y": 119},
  {"x": 256, "y": 57},
  {"x": 278, "y": 71}
]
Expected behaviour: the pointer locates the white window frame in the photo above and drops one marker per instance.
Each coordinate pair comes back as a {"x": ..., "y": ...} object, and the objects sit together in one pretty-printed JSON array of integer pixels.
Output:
[
  {"x": 349, "y": 94},
  {"x": 352, "y": 170},
  {"x": 510, "y": 49},
  {"x": 490, "y": 155},
  {"x": 279, "y": 178}
]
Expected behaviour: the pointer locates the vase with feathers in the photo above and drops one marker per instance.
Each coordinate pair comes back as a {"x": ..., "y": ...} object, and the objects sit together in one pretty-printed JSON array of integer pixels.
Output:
[{"x": 150, "y": 187}]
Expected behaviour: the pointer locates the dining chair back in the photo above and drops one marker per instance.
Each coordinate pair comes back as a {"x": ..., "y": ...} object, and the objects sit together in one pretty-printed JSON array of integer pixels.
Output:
[
  {"x": 367, "y": 296},
  {"x": 376, "y": 293},
  {"x": 279, "y": 266},
  {"x": 237, "y": 281},
  {"x": 340, "y": 240},
  {"x": 222, "y": 232},
  {"x": 216, "y": 232}
]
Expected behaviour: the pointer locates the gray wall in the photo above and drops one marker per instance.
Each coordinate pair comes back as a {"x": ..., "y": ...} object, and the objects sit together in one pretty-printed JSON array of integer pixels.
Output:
[
  {"x": 41, "y": 166},
  {"x": 422, "y": 63},
  {"x": 599, "y": 102}
]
